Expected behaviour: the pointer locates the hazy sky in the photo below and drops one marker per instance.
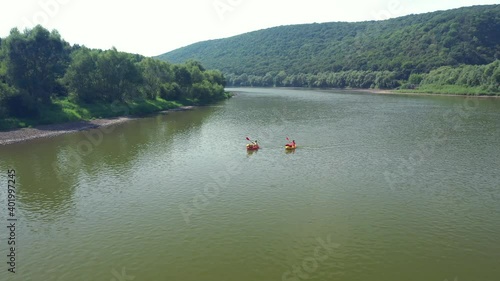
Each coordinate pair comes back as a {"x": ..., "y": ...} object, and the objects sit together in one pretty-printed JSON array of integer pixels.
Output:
[{"x": 152, "y": 27}]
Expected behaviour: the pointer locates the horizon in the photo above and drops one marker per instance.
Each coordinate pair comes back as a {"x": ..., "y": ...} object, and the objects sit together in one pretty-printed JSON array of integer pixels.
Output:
[{"x": 217, "y": 19}]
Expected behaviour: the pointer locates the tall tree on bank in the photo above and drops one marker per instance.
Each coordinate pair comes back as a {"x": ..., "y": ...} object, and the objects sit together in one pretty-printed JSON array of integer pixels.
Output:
[{"x": 35, "y": 60}]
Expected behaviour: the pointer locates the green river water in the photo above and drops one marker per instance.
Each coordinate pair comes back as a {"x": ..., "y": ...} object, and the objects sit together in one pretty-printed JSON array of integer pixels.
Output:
[{"x": 381, "y": 187}]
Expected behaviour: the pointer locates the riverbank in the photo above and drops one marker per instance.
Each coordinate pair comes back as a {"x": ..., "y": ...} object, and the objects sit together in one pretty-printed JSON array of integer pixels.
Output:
[
  {"x": 46, "y": 131},
  {"x": 397, "y": 92},
  {"x": 380, "y": 91}
]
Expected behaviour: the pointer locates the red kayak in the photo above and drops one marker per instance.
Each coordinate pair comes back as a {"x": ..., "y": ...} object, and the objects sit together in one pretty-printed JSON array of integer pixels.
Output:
[
  {"x": 252, "y": 146},
  {"x": 291, "y": 145}
]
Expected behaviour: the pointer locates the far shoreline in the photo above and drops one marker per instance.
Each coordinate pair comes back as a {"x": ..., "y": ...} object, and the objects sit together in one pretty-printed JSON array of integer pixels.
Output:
[
  {"x": 371, "y": 91},
  {"x": 393, "y": 92},
  {"x": 52, "y": 130}
]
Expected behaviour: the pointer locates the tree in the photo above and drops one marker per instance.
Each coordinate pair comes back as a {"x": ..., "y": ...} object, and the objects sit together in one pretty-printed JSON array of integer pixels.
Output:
[
  {"x": 415, "y": 78},
  {"x": 215, "y": 76},
  {"x": 118, "y": 77},
  {"x": 170, "y": 91},
  {"x": 267, "y": 80},
  {"x": 279, "y": 78},
  {"x": 182, "y": 75},
  {"x": 156, "y": 74},
  {"x": 82, "y": 76},
  {"x": 35, "y": 60}
]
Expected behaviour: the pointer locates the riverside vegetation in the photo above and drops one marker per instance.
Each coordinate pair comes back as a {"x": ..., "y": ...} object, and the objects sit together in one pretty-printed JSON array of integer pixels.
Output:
[
  {"x": 45, "y": 80},
  {"x": 454, "y": 52}
]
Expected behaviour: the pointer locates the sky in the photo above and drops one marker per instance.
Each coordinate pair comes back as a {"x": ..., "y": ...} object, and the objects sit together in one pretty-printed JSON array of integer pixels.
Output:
[{"x": 153, "y": 27}]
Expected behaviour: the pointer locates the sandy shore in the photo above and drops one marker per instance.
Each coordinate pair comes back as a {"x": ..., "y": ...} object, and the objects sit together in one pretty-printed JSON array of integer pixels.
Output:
[{"x": 45, "y": 131}]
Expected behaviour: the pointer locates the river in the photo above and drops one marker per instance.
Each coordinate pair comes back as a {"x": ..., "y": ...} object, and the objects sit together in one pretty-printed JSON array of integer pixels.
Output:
[{"x": 380, "y": 187}]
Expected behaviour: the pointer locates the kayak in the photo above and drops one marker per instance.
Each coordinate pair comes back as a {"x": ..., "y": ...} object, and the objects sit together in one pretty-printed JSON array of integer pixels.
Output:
[
  {"x": 252, "y": 146},
  {"x": 290, "y": 147}
]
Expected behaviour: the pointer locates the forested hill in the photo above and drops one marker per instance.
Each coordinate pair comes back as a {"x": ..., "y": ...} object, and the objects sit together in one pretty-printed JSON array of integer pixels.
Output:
[{"x": 405, "y": 45}]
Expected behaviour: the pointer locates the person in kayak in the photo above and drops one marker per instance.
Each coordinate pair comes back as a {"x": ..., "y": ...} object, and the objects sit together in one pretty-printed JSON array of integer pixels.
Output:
[{"x": 291, "y": 144}]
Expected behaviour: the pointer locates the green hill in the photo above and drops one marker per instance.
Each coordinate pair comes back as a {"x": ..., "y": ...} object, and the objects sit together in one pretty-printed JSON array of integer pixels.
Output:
[{"x": 392, "y": 50}]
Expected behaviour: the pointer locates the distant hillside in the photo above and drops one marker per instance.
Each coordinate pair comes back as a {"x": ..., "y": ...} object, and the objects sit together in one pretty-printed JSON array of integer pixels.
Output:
[{"x": 397, "y": 47}]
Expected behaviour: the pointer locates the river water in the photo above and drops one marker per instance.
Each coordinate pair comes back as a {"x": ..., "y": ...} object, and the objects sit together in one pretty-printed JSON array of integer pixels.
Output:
[{"x": 380, "y": 187}]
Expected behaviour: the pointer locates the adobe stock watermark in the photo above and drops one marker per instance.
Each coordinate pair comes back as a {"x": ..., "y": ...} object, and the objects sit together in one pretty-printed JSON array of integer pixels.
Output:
[
  {"x": 309, "y": 265},
  {"x": 406, "y": 167},
  {"x": 121, "y": 276},
  {"x": 222, "y": 7},
  {"x": 393, "y": 9},
  {"x": 47, "y": 9}
]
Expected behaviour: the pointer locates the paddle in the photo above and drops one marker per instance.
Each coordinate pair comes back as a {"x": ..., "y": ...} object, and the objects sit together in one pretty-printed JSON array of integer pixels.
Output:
[
  {"x": 252, "y": 144},
  {"x": 248, "y": 139}
]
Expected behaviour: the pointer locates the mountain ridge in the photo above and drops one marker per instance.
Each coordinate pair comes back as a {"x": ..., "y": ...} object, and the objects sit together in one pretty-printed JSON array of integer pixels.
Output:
[{"x": 416, "y": 43}]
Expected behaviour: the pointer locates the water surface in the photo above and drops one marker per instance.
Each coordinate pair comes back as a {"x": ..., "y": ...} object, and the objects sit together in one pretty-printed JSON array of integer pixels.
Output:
[{"x": 381, "y": 187}]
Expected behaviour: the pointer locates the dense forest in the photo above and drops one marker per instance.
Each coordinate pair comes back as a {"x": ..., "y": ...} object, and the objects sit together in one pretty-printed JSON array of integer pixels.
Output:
[
  {"x": 372, "y": 54},
  {"x": 43, "y": 79}
]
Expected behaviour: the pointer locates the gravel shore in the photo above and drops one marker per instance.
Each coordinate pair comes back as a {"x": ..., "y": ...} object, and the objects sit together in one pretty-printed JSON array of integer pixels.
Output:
[{"x": 45, "y": 131}]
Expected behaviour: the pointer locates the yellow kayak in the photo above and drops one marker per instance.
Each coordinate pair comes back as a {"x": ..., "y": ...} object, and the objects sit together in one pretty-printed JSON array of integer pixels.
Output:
[{"x": 290, "y": 147}]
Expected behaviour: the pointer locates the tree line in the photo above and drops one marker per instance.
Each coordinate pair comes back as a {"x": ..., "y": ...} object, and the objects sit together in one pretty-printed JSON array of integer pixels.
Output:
[
  {"x": 37, "y": 67},
  {"x": 486, "y": 78},
  {"x": 344, "y": 79}
]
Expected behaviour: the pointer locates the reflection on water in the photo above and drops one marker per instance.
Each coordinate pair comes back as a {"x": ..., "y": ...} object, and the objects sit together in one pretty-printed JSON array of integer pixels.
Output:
[
  {"x": 50, "y": 170},
  {"x": 251, "y": 152},
  {"x": 39, "y": 192}
]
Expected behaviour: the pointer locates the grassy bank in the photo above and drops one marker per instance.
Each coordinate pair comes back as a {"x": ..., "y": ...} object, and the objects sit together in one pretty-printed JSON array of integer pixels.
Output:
[
  {"x": 450, "y": 90},
  {"x": 66, "y": 110}
]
